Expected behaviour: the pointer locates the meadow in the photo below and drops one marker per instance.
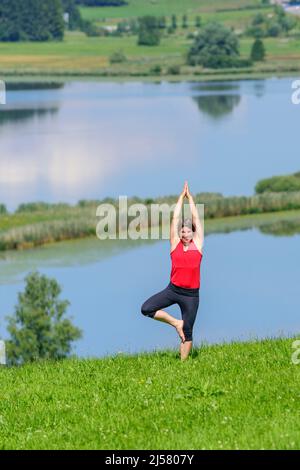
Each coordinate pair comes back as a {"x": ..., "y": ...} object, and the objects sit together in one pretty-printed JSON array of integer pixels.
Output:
[
  {"x": 80, "y": 55},
  {"x": 226, "y": 396}
]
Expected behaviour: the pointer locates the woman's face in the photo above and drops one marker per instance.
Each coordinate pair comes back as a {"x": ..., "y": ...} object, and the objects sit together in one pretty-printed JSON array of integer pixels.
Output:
[{"x": 186, "y": 234}]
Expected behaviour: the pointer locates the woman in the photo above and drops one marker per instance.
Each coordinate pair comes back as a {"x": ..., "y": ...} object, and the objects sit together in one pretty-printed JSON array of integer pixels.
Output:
[{"x": 183, "y": 288}]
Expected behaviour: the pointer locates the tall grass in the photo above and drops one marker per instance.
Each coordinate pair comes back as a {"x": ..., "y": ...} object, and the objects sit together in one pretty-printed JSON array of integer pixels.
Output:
[{"x": 34, "y": 224}]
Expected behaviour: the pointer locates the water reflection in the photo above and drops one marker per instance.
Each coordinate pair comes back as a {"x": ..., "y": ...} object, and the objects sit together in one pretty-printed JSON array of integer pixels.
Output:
[
  {"x": 259, "y": 88},
  {"x": 18, "y": 116},
  {"x": 87, "y": 251},
  {"x": 240, "y": 299},
  {"x": 217, "y": 106},
  {"x": 282, "y": 228},
  {"x": 132, "y": 138},
  {"x": 22, "y": 86}
]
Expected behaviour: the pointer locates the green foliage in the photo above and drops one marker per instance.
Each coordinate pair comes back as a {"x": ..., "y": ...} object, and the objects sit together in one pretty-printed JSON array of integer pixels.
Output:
[
  {"x": 286, "y": 183},
  {"x": 31, "y": 20},
  {"x": 198, "y": 21},
  {"x": 89, "y": 28},
  {"x": 149, "y": 33},
  {"x": 279, "y": 24},
  {"x": 173, "y": 70},
  {"x": 174, "y": 21},
  {"x": 75, "y": 20},
  {"x": 258, "y": 51},
  {"x": 156, "y": 69},
  {"x": 117, "y": 57},
  {"x": 184, "y": 21},
  {"x": 162, "y": 22},
  {"x": 3, "y": 209},
  {"x": 102, "y": 3},
  {"x": 40, "y": 206},
  {"x": 215, "y": 46},
  {"x": 38, "y": 328}
]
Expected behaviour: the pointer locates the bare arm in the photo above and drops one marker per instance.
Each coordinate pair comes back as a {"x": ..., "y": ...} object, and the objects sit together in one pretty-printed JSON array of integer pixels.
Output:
[
  {"x": 174, "y": 237},
  {"x": 199, "y": 235}
]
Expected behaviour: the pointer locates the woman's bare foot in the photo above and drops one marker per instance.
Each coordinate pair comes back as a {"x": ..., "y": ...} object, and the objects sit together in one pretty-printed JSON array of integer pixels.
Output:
[{"x": 179, "y": 328}]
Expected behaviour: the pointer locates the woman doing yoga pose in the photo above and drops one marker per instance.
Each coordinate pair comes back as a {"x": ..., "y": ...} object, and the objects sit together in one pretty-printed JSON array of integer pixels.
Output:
[{"x": 186, "y": 239}]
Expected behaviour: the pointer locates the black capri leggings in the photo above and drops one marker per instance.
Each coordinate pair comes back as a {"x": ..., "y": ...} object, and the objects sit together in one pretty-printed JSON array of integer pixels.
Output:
[{"x": 187, "y": 299}]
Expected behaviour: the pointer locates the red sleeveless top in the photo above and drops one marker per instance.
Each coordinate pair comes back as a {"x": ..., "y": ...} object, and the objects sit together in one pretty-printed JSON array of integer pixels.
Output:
[{"x": 185, "y": 270}]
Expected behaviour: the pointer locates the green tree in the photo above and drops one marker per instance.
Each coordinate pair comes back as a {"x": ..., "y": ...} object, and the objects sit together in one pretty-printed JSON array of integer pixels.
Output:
[
  {"x": 259, "y": 18},
  {"x": 38, "y": 328},
  {"x": 198, "y": 21},
  {"x": 184, "y": 21},
  {"x": 75, "y": 19},
  {"x": 258, "y": 51},
  {"x": 162, "y": 22},
  {"x": 3, "y": 209},
  {"x": 149, "y": 33},
  {"x": 215, "y": 46},
  {"x": 32, "y": 20},
  {"x": 174, "y": 21}
]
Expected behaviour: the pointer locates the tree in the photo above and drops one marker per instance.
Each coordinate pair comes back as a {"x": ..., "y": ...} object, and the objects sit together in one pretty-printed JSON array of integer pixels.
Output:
[
  {"x": 149, "y": 33},
  {"x": 215, "y": 46},
  {"x": 258, "y": 50},
  {"x": 198, "y": 21},
  {"x": 75, "y": 19},
  {"x": 31, "y": 20},
  {"x": 184, "y": 21},
  {"x": 174, "y": 21},
  {"x": 38, "y": 328}
]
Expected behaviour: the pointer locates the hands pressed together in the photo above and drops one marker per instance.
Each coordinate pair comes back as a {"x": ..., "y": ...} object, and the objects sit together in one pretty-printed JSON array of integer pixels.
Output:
[{"x": 186, "y": 191}]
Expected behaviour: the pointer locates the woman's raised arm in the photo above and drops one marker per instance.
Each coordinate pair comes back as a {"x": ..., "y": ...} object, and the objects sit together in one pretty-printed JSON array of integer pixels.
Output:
[
  {"x": 199, "y": 235},
  {"x": 174, "y": 236}
]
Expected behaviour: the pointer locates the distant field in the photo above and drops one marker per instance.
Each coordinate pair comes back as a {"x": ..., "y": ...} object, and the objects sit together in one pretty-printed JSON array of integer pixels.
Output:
[
  {"x": 164, "y": 7},
  {"x": 90, "y": 55},
  {"x": 82, "y": 56}
]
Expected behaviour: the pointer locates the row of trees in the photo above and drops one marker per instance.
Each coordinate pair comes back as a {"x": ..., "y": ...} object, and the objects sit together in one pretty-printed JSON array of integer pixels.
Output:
[
  {"x": 278, "y": 23},
  {"x": 102, "y": 3},
  {"x": 42, "y": 20},
  {"x": 215, "y": 46},
  {"x": 31, "y": 20}
]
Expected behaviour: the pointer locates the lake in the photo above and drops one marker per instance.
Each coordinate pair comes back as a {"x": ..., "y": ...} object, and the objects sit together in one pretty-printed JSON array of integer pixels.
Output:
[
  {"x": 249, "y": 289},
  {"x": 89, "y": 140}
]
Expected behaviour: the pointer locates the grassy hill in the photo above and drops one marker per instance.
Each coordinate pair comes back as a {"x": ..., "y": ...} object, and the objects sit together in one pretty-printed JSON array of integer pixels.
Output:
[{"x": 230, "y": 396}]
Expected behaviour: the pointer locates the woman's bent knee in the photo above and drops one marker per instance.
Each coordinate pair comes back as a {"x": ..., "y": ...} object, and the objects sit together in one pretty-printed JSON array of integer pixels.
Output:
[{"x": 147, "y": 311}]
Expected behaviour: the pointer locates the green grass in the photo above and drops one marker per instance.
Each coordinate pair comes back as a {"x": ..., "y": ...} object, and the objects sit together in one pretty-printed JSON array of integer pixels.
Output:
[
  {"x": 79, "y": 55},
  {"x": 230, "y": 396},
  {"x": 84, "y": 56},
  {"x": 164, "y": 7}
]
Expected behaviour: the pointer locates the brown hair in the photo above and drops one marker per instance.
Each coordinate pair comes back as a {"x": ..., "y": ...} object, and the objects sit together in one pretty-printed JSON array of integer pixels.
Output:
[{"x": 188, "y": 223}]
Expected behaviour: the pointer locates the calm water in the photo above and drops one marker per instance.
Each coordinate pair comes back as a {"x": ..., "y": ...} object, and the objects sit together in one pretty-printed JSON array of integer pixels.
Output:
[
  {"x": 65, "y": 142},
  {"x": 249, "y": 289}
]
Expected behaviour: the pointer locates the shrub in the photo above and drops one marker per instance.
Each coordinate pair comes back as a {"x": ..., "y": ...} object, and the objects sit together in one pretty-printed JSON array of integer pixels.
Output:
[
  {"x": 173, "y": 70},
  {"x": 117, "y": 57}
]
